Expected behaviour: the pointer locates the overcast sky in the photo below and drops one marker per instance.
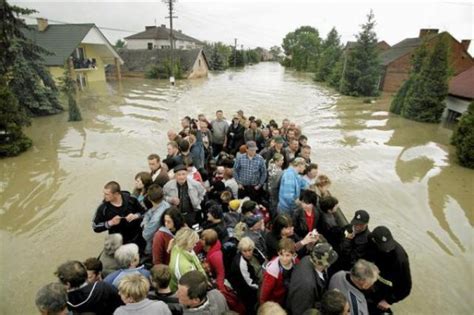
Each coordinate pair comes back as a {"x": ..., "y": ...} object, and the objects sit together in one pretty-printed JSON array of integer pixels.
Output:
[{"x": 264, "y": 23}]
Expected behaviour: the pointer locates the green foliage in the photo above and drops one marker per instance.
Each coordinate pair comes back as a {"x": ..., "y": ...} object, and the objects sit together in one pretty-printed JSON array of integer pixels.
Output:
[
  {"x": 276, "y": 52},
  {"x": 302, "y": 48},
  {"x": 219, "y": 55},
  {"x": 163, "y": 70},
  {"x": 119, "y": 43},
  {"x": 334, "y": 77},
  {"x": 362, "y": 71},
  {"x": 252, "y": 56},
  {"x": 331, "y": 51},
  {"x": 463, "y": 138},
  {"x": 424, "y": 100},
  {"x": 417, "y": 63},
  {"x": 12, "y": 118},
  {"x": 236, "y": 58},
  {"x": 216, "y": 60},
  {"x": 68, "y": 87}
]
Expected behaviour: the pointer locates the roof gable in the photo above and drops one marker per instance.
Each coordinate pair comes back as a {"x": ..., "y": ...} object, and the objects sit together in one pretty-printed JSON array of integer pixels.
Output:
[
  {"x": 163, "y": 33},
  {"x": 462, "y": 85}
]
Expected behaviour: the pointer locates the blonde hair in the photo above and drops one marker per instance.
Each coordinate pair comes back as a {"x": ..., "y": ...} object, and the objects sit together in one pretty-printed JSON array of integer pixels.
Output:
[
  {"x": 271, "y": 308},
  {"x": 186, "y": 238},
  {"x": 246, "y": 243},
  {"x": 298, "y": 162},
  {"x": 134, "y": 286}
]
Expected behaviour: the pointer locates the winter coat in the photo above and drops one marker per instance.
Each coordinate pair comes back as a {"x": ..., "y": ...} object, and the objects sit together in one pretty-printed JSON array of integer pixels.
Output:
[
  {"x": 181, "y": 262},
  {"x": 98, "y": 297},
  {"x": 273, "y": 288},
  {"x": 196, "y": 192},
  {"x": 356, "y": 299},
  {"x": 214, "y": 305},
  {"x": 299, "y": 221},
  {"x": 160, "y": 246},
  {"x": 151, "y": 223}
]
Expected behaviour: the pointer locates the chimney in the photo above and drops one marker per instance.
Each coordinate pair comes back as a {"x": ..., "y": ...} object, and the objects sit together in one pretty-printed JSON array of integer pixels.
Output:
[
  {"x": 428, "y": 31},
  {"x": 465, "y": 44},
  {"x": 42, "y": 24},
  {"x": 163, "y": 25}
]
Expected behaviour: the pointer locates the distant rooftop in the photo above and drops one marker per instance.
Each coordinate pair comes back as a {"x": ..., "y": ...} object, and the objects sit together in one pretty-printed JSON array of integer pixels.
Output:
[
  {"x": 163, "y": 33},
  {"x": 462, "y": 85}
]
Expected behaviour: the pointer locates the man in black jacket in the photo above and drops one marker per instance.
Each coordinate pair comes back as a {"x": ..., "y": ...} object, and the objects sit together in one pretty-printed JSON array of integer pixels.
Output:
[
  {"x": 395, "y": 279},
  {"x": 119, "y": 213},
  {"x": 309, "y": 279},
  {"x": 354, "y": 246}
]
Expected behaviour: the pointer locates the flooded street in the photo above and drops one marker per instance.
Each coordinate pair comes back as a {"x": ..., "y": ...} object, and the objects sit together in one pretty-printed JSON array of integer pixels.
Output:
[{"x": 402, "y": 172}]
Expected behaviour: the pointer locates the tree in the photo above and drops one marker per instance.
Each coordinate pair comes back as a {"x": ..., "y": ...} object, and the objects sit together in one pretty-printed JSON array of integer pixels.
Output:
[
  {"x": 237, "y": 58},
  {"x": 119, "y": 44},
  {"x": 68, "y": 87},
  {"x": 361, "y": 74},
  {"x": 417, "y": 64},
  {"x": 331, "y": 51},
  {"x": 463, "y": 138},
  {"x": 424, "y": 101},
  {"x": 334, "y": 77},
  {"x": 276, "y": 51},
  {"x": 302, "y": 48},
  {"x": 216, "y": 61}
]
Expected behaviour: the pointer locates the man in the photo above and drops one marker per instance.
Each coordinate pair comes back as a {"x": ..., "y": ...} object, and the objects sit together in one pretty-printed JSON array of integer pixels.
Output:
[
  {"x": 151, "y": 220},
  {"x": 305, "y": 153},
  {"x": 98, "y": 297},
  {"x": 311, "y": 173},
  {"x": 292, "y": 149},
  {"x": 158, "y": 171},
  {"x": 186, "y": 125},
  {"x": 309, "y": 279},
  {"x": 285, "y": 124},
  {"x": 173, "y": 136},
  {"x": 173, "y": 158},
  {"x": 334, "y": 303},
  {"x": 250, "y": 173},
  {"x": 193, "y": 295},
  {"x": 185, "y": 193},
  {"x": 277, "y": 148},
  {"x": 219, "y": 132},
  {"x": 235, "y": 135},
  {"x": 361, "y": 277},
  {"x": 253, "y": 133},
  {"x": 354, "y": 246},
  {"x": 119, "y": 213},
  {"x": 395, "y": 279},
  {"x": 52, "y": 299},
  {"x": 291, "y": 184}
]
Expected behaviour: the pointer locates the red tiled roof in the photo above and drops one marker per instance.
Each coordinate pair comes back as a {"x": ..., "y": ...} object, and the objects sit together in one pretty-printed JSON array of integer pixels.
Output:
[{"x": 463, "y": 84}]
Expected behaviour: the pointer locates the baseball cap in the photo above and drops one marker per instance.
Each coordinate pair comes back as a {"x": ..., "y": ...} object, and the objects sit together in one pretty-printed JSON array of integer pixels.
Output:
[
  {"x": 251, "y": 145},
  {"x": 383, "y": 238},
  {"x": 360, "y": 217},
  {"x": 324, "y": 254}
]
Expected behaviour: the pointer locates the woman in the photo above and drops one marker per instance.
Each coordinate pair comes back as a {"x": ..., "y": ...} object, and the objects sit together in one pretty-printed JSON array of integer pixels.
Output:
[
  {"x": 306, "y": 217},
  {"x": 283, "y": 227},
  {"x": 143, "y": 180},
  {"x": 183, "y": 258},
  {"x": 171, "y": 221}
]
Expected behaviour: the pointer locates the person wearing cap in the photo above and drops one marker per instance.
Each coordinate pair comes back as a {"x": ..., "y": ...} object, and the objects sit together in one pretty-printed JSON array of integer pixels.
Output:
[
  {"x": 277, "y": 147},
  {"x": 352, "y": 284},
  {"x": 235, "y": 135},
  {"x": 250, "y": 172},
  {"x": 233, "y": 217},
  {"x": 309, "y": 279},
  {"x": 256, "y": 232},
  {"x": 354, "y": 245},
  {"x": 394, "y": 282},
  {"x": 291, "y": 185},
  {"x": 185, "y": 193}
]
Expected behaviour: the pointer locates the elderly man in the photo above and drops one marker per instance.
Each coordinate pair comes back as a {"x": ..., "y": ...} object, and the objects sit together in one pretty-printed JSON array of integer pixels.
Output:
[
  {"x": 219, "y": 132},
  {"x": 309, "y": 279},
  {"x": 354, "y": 246},
  {"x": 250, "y": 173},
  {"x": 361, "y": 277},
  {"x": 119, "y": 213},
  {"x": 185, "y": 193},
  {"x": 291, "y": 184}
]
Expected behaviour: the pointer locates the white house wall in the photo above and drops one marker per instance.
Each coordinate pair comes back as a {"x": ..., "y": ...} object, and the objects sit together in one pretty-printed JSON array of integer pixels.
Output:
[{"x": 157, "y": 44}]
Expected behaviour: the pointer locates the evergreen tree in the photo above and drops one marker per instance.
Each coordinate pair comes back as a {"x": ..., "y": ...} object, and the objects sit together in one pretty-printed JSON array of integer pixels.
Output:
[
  {"x": 215, "y": 60},
  {"x": 463, "y": 138},
  {"x": 69, "y": 88},
  {"x": 362, "y": 71},
  {"x": 119, "y": 44},
  {"x": 417, "y": 64},
  {"x": 334, "y": 78},
  {"x": 236, "y": 58},
  {"x": 424, "y": 101},
  {"x": 330, "y": 55}
]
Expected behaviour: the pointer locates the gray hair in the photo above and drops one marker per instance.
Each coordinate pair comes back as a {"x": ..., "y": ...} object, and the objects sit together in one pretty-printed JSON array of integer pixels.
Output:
[
  {"x": 52, "y": 298},
  {"x": 112, "y": 243},
  {"x": 364, "y": 270},
  {"x": 298, "y": 162},
  {"x": 126, "y": 254}
]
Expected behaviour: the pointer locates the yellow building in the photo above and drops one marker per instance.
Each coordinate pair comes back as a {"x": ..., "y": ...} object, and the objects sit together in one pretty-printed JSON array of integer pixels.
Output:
[{"x": 82, "y": 47}]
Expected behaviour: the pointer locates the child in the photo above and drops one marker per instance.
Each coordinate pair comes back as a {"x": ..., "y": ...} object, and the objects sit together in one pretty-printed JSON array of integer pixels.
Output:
[{"x": 276, "y": 277}]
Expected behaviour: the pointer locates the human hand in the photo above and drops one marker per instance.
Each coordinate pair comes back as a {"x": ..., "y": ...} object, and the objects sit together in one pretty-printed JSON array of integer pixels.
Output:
[
  {"x": 114, "y": 221},
  {"x": 310, "y": 238},
  {"x": 383, "y": 305},
  {"x": 131, "y": 216}
]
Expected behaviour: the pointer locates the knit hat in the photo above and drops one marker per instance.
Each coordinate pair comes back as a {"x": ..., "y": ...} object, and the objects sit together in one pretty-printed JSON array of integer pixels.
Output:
[{"x": 234, "y": 204}]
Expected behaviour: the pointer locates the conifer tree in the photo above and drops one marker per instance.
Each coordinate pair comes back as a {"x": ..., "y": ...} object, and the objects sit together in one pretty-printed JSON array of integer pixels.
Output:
[
  {"x": 331, "y": 53},
  {"x": 463, "y": 138},
  {"x": 69, "y": 89},
  {"x": 361, "y": 73},
  {"x": 424, "y": 100},
  {"x": 215, "y": 60}
]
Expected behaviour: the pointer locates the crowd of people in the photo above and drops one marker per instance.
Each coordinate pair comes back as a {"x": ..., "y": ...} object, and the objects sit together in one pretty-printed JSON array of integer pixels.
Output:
[{"x": 235, "y": 219}]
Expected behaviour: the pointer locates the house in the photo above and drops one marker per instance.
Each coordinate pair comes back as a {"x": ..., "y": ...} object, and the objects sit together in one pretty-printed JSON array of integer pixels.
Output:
[
  {"x": 155, "y": 37},
  {"x": 82, "y": 47},
  {"x": 193, "y": 62},
  {"x": 396, "y": 62},
  {"x": 460, "y": 95}
]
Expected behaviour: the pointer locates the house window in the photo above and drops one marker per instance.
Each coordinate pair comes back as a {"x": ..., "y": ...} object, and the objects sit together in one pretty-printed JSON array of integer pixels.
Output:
[
  {"x": 79, "y": 53},
  {"x": 150, "y": 46}
]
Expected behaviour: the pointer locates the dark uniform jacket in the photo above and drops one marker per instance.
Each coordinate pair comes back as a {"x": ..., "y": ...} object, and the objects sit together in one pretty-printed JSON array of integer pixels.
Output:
[{"x": 354, "y": 249}]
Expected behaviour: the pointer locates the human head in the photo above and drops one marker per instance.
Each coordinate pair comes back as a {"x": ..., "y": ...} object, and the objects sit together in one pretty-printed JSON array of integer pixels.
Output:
[
  {"x": 285, "y": 123},
  {"x": 312, "y": 170},
  {"x": 299, "y": 164},
  {"x": 234, "y": 205},
  {"x": 270, "y": 308},
  {"x": 180, "y": 174},
  {"x": 112, "y": 243},
  {"x": 323, "y": 182},
  {"x": 360, "y": 222},
  {"x": 226, "y": 197},
  {"x": 308, "y": 199},
  {"x": 254, "y": 222},
  {"x": 306, "y": 152},
  {"x": 251, "y": 148},
  {"x": 219, "y": 114},
  {"x": 293, "y": 144},
  {"x": 184, "y": 145},
  {"x": 127, "y": 256},
  {"x": 186, "y": 238},
  {"x": 171, "y": 135},
  {"x": 155, "y": 194},
  {"x": 282, "y": 226},
  {"x": 94, "y": 269},
  {"x": 52, "y": 299},
  {"x": 215, "y": 213},
  {"x": 154, "y": 162},
  {"x": 142, "y": 181},
  {"x": 286, "y": 251},
  {"x": 204, "y": 125},
  {"x": 172, "y": 148},
  {"x": 72, "y": 274},
  {"x": 279, "y": 141},
  {"x": 160, "y": 276},
  {"x": 328, "y": 204},
  {"x": 323, "y": 256},
  {"x": 192, "y": 289},
  {"x": 185, "y": 122},
  {"x": 111, "y": 191},
  {"x": 364, "y": 274},
  {"x": 133, "y": 288},
  {"x": 246, "y": 247},
  {"x": 172, "y": 219},
  {"x": 303, "y": 140},
  {"x": 334, "y": 302},
  {"x": 209, "y": 238},
  {"x": 290, "y": 134},
  {"x": 249, "y": 208},
  {"x": 383, "y": 239}
]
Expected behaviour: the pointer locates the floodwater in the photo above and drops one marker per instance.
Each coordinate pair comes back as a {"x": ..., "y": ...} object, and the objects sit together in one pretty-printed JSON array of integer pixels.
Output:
[{"x": 402, "y": 172}]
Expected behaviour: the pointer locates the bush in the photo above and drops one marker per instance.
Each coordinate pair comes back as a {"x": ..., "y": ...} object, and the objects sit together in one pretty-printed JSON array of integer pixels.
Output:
[
  {"x": 463, "y": 138},
  {"x": 163, "y": 70}
]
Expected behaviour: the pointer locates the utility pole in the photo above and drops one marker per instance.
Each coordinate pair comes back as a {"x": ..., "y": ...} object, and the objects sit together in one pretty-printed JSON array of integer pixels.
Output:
[
  {"x": 170, "y": 4},
  {"x": 235, "y": 52}
]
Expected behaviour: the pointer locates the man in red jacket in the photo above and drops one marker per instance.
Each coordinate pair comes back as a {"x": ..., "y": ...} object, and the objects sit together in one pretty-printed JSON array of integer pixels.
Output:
[{"x": 276, "y": 277}]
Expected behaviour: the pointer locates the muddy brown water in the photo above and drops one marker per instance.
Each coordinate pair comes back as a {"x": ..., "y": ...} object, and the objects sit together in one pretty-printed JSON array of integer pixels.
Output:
[{"x": 402, "y": 172}]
